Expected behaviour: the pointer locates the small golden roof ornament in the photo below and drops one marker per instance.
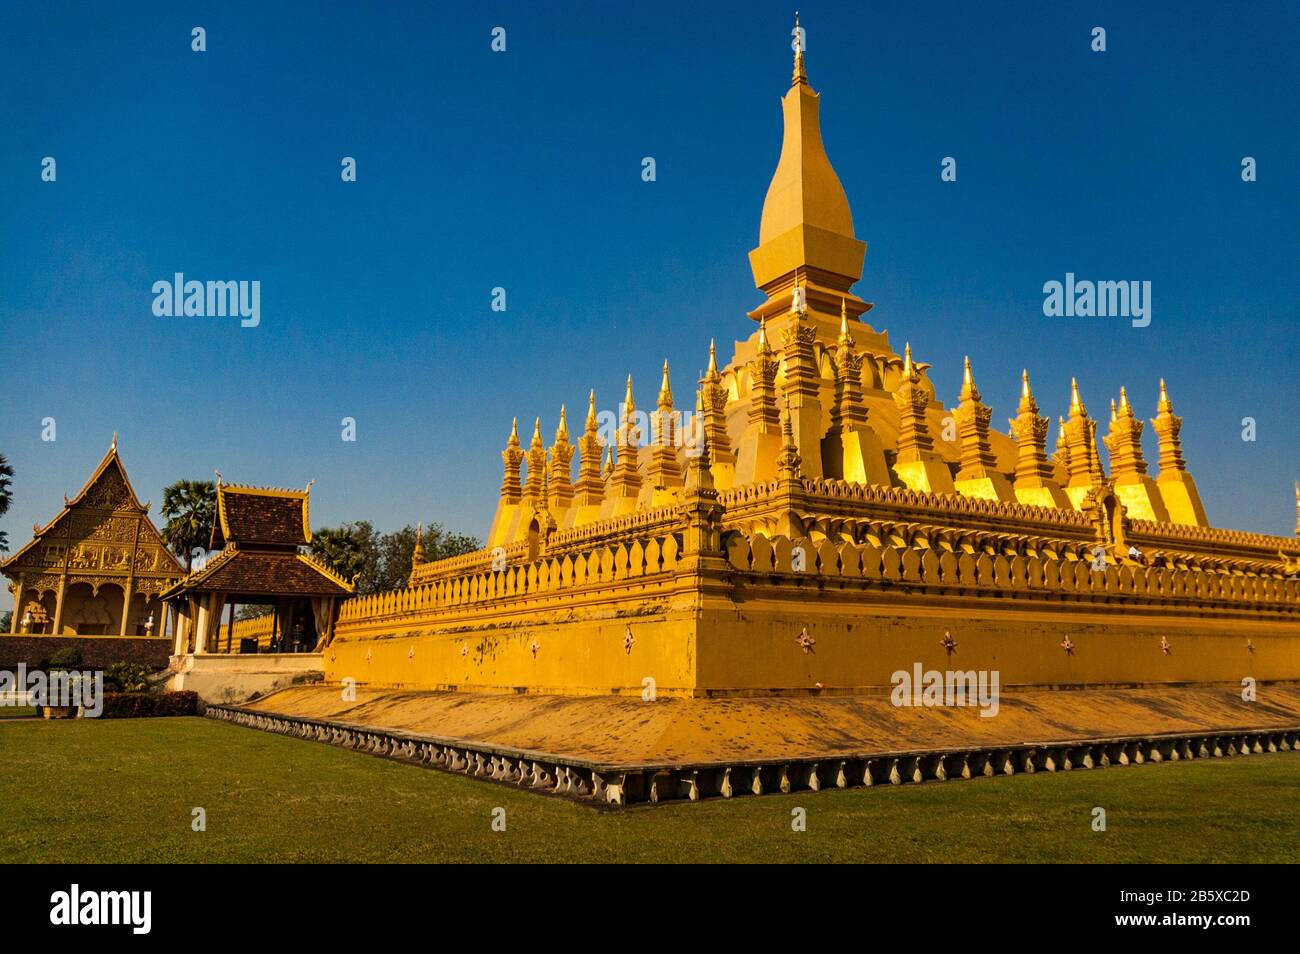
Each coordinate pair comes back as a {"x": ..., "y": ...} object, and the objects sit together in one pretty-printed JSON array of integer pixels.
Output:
[
  {"x": 514, "y": 436},
  {"x": 968, "y": 390},
  {"x": 763, "y": 346},
  {"x": 665, "y": 392},
  {"x": 591, "y": 410},
  {"x": 1165, "y": 404},
  {"x": 1027, "y": 402},
  {"x": 1076, "y": 403},
  {"x": 562, "y": 432},
  {"x": 800, "y": 75}
]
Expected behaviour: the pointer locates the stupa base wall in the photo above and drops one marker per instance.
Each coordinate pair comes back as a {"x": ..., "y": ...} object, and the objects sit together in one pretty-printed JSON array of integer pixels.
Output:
[{"x": 753, "y": 647}]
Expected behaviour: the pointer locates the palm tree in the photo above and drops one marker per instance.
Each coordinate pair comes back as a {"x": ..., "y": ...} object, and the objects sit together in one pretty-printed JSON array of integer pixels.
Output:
[
  {"x": 6, "y": 497},
  {"x": 342, "y": 549},
  {"x": 189, "y": 507}
]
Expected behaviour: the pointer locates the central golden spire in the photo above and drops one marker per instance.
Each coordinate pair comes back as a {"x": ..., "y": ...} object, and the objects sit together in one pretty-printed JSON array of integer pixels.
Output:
[{"x": 806, "y": 231}]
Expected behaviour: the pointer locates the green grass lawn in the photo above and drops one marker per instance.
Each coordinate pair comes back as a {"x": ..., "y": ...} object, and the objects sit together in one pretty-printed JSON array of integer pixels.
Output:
[{"x": 124, "y": 790}]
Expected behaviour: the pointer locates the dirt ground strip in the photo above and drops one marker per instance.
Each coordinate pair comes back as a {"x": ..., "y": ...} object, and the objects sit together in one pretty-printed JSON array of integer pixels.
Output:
[{"x": 627, "y": 730}]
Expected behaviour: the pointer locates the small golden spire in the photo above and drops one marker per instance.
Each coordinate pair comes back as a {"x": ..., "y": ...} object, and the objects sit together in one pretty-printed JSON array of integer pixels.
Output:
[
  {"x": 1076, "y": 403},
  {"x": 1124, "y": 406},
  {"x": 609, "y": 461},
  {"x": 845, "y": 337},
  {"x": 665, "y": 392},
  {"x": 968, "y": 390},
  {"x": 763, "y": 346},
  {"x": 1027, "y": 402},
  {"x": 537, "y": 432},
  {"x": 1113, "y": 413},
  {"x": 514, "y": 434},
  {"x": 591, "y": 410},
  {"x": 800, "y": 74},
  {"x": 711, "y": 373},
  {"x": 628, "y": 403},
  {"x": 908, "y": 373},
  {"x": 113, "y": 446},
  {"x": 1165, "y": 404},
  {"x": 417, "y": 557},
  {"x": 562, "y": 432}
]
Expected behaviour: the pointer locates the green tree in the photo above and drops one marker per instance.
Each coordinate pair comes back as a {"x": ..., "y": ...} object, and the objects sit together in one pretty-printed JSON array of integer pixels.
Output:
[
  {"x": 382, "y": 561},
  {"x": 348, "y": 550},
  {"x": 6, "y": 498},
  {"x": 189, "y": 507},
  {"x": 397, "y": 548}
]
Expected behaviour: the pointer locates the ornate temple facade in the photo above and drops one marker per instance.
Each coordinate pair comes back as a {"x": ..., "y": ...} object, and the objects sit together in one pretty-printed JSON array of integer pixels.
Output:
[
  {"x": 823, "y": 518},
  {"x": 98, "y": 568}
]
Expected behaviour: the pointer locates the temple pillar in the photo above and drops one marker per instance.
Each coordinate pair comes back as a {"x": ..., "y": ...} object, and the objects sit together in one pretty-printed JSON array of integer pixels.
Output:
[
  {"x": 180, "y": 633},
  {"x": 127, "y": 592},
  {"x": 15, "y": 621},
  {"x": 58, "y": 605}
]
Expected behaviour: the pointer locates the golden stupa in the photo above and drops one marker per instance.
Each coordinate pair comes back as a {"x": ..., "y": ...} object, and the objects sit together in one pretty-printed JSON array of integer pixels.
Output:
[{"x": 822, "y": 520}]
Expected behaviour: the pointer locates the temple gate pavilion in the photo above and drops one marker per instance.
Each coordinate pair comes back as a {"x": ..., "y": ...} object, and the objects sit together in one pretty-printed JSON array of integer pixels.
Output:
[
  {"x": 98, "y": 568},
  {"x": 259, "y": 533},
  {"x": 833, "y": 522}
]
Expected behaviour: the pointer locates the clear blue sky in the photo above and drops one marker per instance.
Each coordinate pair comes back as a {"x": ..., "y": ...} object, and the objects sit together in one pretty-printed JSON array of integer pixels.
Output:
[{"x": 522, "y": 170}]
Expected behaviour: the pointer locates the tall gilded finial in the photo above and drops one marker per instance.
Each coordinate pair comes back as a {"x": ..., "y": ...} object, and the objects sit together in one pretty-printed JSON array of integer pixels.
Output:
[
  {"x": 113, "y": 447},
  {"x": 800, "y": 74},
  {"x": 1165, "y": 405},
  {"x": 1113, "y": 413},
  {"x": 844, "y": 321},
  {"x": 764, "y": 347},
  {"x": 788, "y": 460},
  {"x": 417, "y": 556},
  {"x": 628, "y": 402},
  {"x": 591, "y": 410},
  {"x": 1027, "y": 402},
  {"x": 969, "y": 392},
  {"x": 537, "y": 432},
  {"x": 609, "y": 461},
  {"x": 909, "y": 373},
  {"x": 514, "y": 433},
  {"x": 562, "y": 432},
  {"x": 665, "y": 392},
  {"x": 712, "y": 370},
  {"x": 1076, "y": 402}
]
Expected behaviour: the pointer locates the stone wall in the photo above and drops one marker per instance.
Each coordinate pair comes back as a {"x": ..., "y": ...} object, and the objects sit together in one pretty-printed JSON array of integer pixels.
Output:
[{"x": 97, "y": 652}]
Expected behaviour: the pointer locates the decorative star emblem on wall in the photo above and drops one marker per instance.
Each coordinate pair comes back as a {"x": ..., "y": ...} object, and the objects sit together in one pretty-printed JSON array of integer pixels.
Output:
[
  {"x": 1250, "y": 646},
  {"x": 1164, "y": 645},
  {"x": 628, "y": 640},
  {"x": 1068, "y": 645},
  {"x": 534, "y": 647},
  {"x": 948, "y": 643},
  {"x": 805, "y": 641}
]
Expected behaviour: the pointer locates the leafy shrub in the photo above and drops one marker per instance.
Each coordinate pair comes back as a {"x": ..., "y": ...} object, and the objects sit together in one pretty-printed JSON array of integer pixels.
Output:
[
  {"x": 63, "y": 659},
  {"x": 127, "y": 677},
  {"x": 142, "y": 705}
]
